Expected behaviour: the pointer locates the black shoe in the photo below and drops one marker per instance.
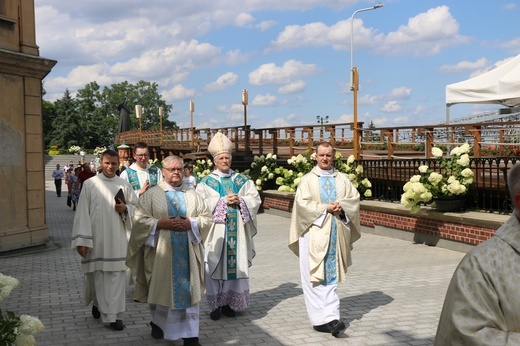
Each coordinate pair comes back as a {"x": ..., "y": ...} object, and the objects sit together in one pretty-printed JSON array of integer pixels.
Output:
[
  {"x": 333, "y": 327},
  {"x": 227, "y": 311},
  {"x": 95, "y": 312},
  {"x": 117, "y": 325},
  {"x": 157, "y": 332},
  {"x": 191, "y": 341},
  {"x": 215, "y": 314}
]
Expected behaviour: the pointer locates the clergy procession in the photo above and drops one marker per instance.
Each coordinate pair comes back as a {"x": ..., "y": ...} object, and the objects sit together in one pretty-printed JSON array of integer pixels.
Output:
[{"x": 174, "y": 242}]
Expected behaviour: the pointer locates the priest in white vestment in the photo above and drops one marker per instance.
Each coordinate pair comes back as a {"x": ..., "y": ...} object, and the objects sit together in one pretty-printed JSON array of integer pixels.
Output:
[
  {"x": 229, "y": 247},
  {"x": 141, "y": 175},
  {"x": 324, "y": 225},
  {"x": 482, "y": 306},
  {"x": 166, "y": 254},
  {"x": 100, "y": 235}
]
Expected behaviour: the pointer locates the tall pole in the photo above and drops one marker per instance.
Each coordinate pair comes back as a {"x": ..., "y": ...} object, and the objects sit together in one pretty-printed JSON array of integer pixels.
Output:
[
  {"x": 192, "y": 109},
  {"x": 354, "y": 77},
  {"x": 246, "y": 130},
  {"x": 160, "y": 123},
  {"x": 138, "y": 114}
]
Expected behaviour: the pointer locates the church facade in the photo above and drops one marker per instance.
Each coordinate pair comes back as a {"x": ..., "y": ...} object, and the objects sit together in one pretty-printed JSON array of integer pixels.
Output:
[{"x": 22, "y": 174}]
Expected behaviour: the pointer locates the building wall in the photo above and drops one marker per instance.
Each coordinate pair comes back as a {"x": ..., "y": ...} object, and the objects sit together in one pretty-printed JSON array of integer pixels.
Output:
[{"x": 22, "y": 180}]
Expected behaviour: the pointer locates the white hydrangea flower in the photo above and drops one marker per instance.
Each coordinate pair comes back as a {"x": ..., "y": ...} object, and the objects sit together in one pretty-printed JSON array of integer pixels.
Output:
[
  {"x": 269, "y": 156},
  {"x": 351, "y": 159},
  {"x": 30, "y": 325},
  {"x": 436, "y": 152},
  {"x": 435, "y": 178},
  {"x": 463, "y": 160},
  {"x": 368, "y": 193},
  {"x": 415, "y": 179},
  {"x": 7, "y": 284},
  {"x": 423, "y": 169},
  {"x": 467, "y": 173}
]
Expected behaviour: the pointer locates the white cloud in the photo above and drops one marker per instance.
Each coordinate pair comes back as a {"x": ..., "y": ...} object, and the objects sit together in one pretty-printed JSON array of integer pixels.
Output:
[
  {"x": 425, "y": 34},
  {"x": 244, "y": 19},
  {"x": 223, "y": 82},
  {"x": 464, "y": 66},
  {"x": 401, "y": 93},
  {"x": 391, "y": 107},
  {"x": 319, "y": 34},
  {"x": 292, "y": 88},
  {"x": 178, "y": 92},
  {"x": 266, "y": 25},
  {"x": 510, "y": 6},
  {"x": 291, "y": 70},
  {"x": 265, "y": 100}
]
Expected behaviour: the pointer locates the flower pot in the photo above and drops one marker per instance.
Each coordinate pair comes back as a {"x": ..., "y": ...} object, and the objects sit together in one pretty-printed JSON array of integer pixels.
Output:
[{"x": 450, "y": 203}]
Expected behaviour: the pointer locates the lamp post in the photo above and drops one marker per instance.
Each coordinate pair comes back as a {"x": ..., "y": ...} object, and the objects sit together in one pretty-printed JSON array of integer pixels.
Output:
[
  {"x": 354, "y": 77},
  {"x": 322, "y": 120},
  {"x": 192, "y": 130},
  {"x": 160, "y": 123},
  {"x": 246, "y": 130},
  {"x": 138, "y": 114}
]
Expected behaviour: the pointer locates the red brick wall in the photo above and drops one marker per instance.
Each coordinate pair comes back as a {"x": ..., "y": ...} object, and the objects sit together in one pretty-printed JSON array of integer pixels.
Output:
[
  {"x": 469, "y": 234},
  {"x": 284, "y": 204},
  {"x": 465, "y": 233}
]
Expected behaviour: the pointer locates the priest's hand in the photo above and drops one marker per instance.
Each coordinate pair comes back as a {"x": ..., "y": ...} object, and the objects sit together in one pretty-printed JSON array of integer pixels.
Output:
[
  {"x": 334, "y": 208},
  {"x": 145, "y": 187},
  {"x": 121, "y": 207},
  {"x": 82, "y": 250},
  {"x": 233, "y": 199},
  {"x": 175, "y": 224}
]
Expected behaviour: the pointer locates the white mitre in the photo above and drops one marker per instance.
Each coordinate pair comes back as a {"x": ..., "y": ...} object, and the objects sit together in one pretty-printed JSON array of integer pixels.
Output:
[{"x": 220, "y": 144}]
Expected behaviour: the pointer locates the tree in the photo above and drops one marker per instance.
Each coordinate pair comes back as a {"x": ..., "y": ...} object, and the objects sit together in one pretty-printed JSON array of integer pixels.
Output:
[
  {"x": 91, "y": 119},
  {"x": 67, "y": 130}
]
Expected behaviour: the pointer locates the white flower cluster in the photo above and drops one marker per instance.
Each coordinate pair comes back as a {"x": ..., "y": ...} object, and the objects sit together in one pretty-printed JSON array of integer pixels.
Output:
[
  {"x": 202, "y": 167},
  {"x": 23, "y": 327},
  {"x": 74, "y": 149},
  {"x": 7, "y": 284},
  {"x": 99, "y": 150},
  {"x": 355, "y": 174},
  {"x": 454, "y": 179},
  {"x": 262, "y": 170}
]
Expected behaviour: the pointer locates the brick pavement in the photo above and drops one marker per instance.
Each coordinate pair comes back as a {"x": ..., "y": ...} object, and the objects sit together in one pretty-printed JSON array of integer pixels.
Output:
[{"x": 393, "y": 295}]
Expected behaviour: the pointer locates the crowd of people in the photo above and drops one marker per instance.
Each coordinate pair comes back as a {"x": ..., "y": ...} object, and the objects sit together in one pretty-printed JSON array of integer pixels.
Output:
[{"x": 176, "y": 238}]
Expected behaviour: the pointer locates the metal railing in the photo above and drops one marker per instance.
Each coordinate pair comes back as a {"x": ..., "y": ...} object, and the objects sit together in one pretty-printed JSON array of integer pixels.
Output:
[{"x": 489, "y": 191}]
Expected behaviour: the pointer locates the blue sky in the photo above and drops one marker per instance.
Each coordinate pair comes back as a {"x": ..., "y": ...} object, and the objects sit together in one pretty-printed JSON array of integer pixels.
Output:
[{"x": 292, "y": 56}]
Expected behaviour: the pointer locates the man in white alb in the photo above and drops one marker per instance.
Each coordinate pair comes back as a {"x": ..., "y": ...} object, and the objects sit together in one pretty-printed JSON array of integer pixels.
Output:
[
  {"x": 324, "y": 224},
  {"x": 141, "y": 175},
  {"x": 99, "y": 235}
]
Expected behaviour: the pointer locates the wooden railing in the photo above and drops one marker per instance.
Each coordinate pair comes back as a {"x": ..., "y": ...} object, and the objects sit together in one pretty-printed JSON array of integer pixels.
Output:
[{"x": 497, "y": 139}]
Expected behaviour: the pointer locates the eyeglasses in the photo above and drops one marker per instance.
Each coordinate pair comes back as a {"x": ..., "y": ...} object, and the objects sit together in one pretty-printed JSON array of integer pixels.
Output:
[
  {"x": 141, "y": 155},
  {"x": 172, "y": 170}
]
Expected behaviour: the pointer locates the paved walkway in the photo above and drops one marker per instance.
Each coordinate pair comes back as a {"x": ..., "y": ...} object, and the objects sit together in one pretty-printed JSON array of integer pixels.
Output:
[{"x": 393, "y": 295}]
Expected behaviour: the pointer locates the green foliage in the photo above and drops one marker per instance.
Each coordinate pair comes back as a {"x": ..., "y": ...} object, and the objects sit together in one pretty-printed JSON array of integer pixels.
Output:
[
  {"x": 262, "y": 170},
  {"x": 9, "y": 324},
  {"x": 91, "y": 118},
  {"x": 202, "y": 167},
  {"x": 355, "y": 174},
  {"x": 454, "y": 178}
]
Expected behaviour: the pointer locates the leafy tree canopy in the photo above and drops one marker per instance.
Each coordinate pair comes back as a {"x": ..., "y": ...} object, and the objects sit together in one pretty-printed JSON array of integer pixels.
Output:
[{"x": 91, "y": 118}]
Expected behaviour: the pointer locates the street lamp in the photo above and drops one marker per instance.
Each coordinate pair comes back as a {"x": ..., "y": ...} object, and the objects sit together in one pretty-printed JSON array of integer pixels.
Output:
[
  {"x": 192, "y": 109},
  {"x": 138, "y": 114},
  {"x": 322, "y": 120},
  {"x": 160, "y": 122},
  {"x": 354, "y": 77},
  {"x": 244, "y": 102}
]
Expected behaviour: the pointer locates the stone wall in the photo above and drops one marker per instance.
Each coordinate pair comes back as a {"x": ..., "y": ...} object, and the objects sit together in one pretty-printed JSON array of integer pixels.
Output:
[{"x": 22, "y": 181}]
